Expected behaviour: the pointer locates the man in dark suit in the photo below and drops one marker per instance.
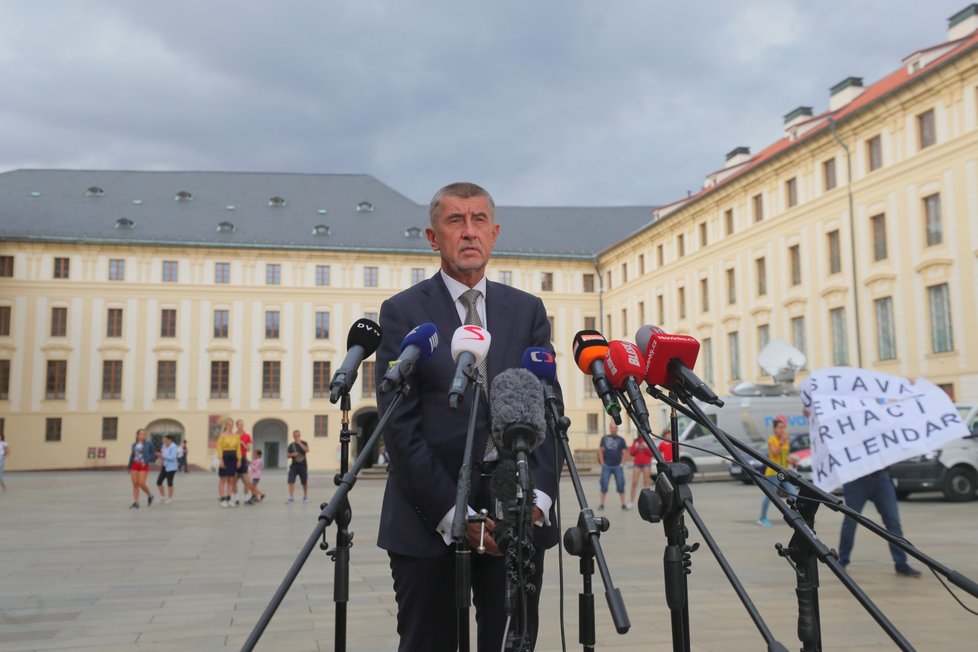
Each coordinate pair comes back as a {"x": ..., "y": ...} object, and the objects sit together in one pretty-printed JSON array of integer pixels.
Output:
[{"x": 425, "y": 439}]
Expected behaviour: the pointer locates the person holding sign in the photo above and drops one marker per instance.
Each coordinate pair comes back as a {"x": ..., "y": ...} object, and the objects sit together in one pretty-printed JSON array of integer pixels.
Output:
[{"x": 778, "y": 451}]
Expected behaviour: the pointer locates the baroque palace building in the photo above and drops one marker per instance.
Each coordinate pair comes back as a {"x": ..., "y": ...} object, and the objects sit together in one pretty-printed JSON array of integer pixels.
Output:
[{"x": 169, "y": 300}]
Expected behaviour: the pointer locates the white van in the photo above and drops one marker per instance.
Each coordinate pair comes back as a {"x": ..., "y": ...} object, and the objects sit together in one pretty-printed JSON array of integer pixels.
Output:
[{"x": 952, "y": 470}]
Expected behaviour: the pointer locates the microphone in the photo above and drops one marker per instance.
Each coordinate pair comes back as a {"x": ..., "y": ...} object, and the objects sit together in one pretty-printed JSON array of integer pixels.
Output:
[
  {"x": 361, "y": 342},
  {"x": 626, "y": 369},
  {"x": 417, "y": 346},
  {"x": 517, "y": 421},
  {"x": 470, "y": 344},
  {"x": 669, "y": 362},
  {"x": 589, "y": 349}
]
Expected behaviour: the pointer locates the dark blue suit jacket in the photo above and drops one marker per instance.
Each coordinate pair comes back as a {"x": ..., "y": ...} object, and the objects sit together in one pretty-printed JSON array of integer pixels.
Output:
[{"x": 424, "y": 437}]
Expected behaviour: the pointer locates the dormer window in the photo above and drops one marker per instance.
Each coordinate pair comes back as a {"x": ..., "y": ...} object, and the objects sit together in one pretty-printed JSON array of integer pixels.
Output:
[
  {"x": 276, "y": 201},
  {"x": 124, "y": 223},
  {"x": 412, "y": 232},
  {"x": 183, "y": 195},
  {"x": 35, "y": 193},
  {"x": 321, "y": 229},
  {"x": 229, "y": 207},
  {"x": 137, "y": 202},
  {"x": 225, "y": 227},
  {"x": 365, "y": 207},
  {"x": 94, "y": 191},
  {"x": 322, "y": 211}
]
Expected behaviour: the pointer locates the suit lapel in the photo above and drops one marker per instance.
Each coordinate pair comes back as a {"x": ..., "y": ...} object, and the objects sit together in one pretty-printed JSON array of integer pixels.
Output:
[
  {"x": 438, "y": 304},
  {"x": 500, "y": 326}
]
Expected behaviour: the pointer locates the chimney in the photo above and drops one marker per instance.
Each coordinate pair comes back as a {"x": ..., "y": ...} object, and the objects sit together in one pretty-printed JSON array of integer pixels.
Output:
[
  {"x": 844, "y": 92},
  {"x": 794, "y": 118},
  {"x": 962, "y": 23},
  {"x": 736, "y": 156}
]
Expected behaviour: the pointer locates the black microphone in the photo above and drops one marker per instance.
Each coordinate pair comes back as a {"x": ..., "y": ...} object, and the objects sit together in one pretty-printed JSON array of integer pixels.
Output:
[
  {"x": 417, "y": 346},
  {"x": 518, "y": 423},
  {"x": 361, "y": 342}
]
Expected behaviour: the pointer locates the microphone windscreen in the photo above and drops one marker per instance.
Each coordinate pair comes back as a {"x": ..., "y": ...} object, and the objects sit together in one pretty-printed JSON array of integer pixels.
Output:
[
  {"x": 623, "y": 360},
  {"x": 473, "y": 339},
  {"x": 664, "y": 348},
  {"x": 589, "y": 345},
  {"x": 516, "y": 398},
  {"x": 502, "y": 491},
  {"x": 541, "y": 363},
  {"x": 644, "y": 335},
  {"x": 425, "y": 337},
  {"x": 366, "y": 334}
]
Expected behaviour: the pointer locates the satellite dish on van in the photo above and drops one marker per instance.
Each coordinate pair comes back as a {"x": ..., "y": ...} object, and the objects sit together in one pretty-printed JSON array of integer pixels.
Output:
[{"x": 780, "y": 360}]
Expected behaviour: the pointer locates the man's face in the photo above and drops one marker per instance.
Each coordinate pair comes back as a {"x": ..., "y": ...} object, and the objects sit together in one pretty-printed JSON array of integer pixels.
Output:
[
  {"x": 296, "y": 436},
  {"x": 464, "y": 233}
]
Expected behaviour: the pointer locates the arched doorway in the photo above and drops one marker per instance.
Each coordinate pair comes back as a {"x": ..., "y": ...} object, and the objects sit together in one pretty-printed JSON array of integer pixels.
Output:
[
  {"x": 364, "y": 422},
  {"x": 160, "y": 428},
  {"x": 270, "y": 436}
]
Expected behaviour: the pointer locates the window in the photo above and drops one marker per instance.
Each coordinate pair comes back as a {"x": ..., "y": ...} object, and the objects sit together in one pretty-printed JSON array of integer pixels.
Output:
[
  {"x": 932, "y": 211},
  {"x": 763, "y": 336},
  {"x": 61, "y": 267},
  {"x": 590, "y": 323},
  {"x": 874, "y": 153},
  {"x": 369, "y": 277},
  {"x": 641, "y": 312},
  {"x": 221, "y": 319},
  {"x": 170, "y": 271},
  {"x": 592, "y": 423},
  {"x": 166, "y": 379},
  {"x": 589, "y": 282},
  {"x": 168, "y": 322},
  {"x": 219, "y": 378},
  {"x": 271, "y": 378},
  {"x": 222, "y": 273},
  {"x": 840, "y": 341},
  {"x": 798, "y": 333},
  {"x": 758, "y": 204},
  {"x": 321, "y": 376},
  {"x": 272, "y": 324},
  {"x": 273, "y": 274},
  {"x": 4, "y": 380},
  {"x": 59, "y": 321},
  {"x": 660, "y": 305},
  {"x": 372, "y": 316},
  {"x": 4, "y": 321},
  {"x": 660, "y": 256},
  {"x": 624, "y": 323},
  {"x": 57, "y": 372},
  {"x": 708, "y": 359},
  {"x": 546, "y": 282},
  {"x": 641, "y": 264},
  {"x": 322, "y": 325},
  {"x": 761, "y": 268},
  {"x": 624, "y": 272},
  {"x": 322, "y": 275},
  {"x": 704, "y": 295},
  {"x": 111, "y": 379},
  {"x": 117, "y": 269},
  {"x": 367, "y": 379},
  {"x": 835, "y": 252},
  {"x": 417, "y": 275},
  {"x": 506, "y": 277},
  {"x": 794, "y": 254},
  {"x": 320, "y": 425},
  {"x": 550, "y": 319},
  {"x": 608, "y": 279},
  {"x": 733, "y": 343},
  {"x": 52, "y": 429},
  {"x": 110, "y": 428},
  {"x": 728, "y": 222},
  {"x": 791, "y": 191},
  {"x": 926, "y": 130},
  {"x": 828, "y": 174},
  {"x": 682, "y": 303},
  {"x": 731, "y": 286},
  {"x": 703, "y": 237},
  {"x": 942, "y": 339},
  {"x": 113, "y": 323},
  {"x": 680, "y": 245},
  {"x": 878, "y": 223},
  {"x": 885, "y": 335},
  {"x": 6, "y": 266}
]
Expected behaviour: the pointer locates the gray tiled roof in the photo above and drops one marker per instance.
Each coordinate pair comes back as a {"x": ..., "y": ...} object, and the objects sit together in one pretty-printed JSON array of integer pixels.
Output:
[{"x": 53, "y": 205}]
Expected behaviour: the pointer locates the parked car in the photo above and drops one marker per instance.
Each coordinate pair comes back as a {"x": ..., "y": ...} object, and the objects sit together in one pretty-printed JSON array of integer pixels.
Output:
[
  {"x": 952, "y": 470},
  {"x": 800, "y": 447}
]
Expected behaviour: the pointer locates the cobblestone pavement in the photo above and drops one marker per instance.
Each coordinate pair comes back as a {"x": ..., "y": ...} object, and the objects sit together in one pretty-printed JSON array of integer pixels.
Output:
[{"x": 79, "y": 570}]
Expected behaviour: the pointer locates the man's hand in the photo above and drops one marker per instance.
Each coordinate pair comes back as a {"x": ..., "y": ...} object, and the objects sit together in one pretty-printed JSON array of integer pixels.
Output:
[
  {"x": 537, "y": 515},
  {"x": 474, "y": 534}
]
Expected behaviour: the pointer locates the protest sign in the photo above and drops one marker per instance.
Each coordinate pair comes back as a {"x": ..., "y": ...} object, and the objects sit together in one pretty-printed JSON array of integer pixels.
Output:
[{"x": 861, "y": 421}]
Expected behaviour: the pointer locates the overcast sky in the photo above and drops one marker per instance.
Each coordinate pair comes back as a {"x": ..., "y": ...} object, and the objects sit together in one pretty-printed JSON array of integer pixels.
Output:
[{"x": 544, "y": 102}]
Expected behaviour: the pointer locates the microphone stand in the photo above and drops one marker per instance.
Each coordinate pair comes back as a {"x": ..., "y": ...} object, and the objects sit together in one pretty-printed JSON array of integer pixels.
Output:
[
  {"x": 336, "y": 510},
  {"x": 584, "y": 541},
  {"x": 463, "y": 554},
  {"x": 667, "y": 503}
]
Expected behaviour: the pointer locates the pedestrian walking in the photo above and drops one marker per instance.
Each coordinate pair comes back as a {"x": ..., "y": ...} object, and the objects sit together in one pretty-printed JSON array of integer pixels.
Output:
[
  {"x": 612, "y": 455},
  {"x": 142, "y": 454},
  {"x": 779, "y": 452},
  {"x": 169, "y": 454},
  {"x": 228, "y": 449}
]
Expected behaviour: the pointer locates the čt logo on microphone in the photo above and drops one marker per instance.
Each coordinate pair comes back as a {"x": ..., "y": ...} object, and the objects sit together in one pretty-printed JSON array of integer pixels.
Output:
[{"x": 545, "y": 357}]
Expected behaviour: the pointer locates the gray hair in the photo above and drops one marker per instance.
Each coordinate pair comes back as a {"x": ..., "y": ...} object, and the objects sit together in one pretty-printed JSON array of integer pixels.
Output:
[{"x": 462, "y": 190}]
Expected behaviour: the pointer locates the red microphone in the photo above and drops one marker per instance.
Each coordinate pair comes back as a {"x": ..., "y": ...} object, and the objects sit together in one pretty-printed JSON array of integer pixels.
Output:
[
  {"x": 669, "y": 360},
  {"x": 623, "y": 362}
]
